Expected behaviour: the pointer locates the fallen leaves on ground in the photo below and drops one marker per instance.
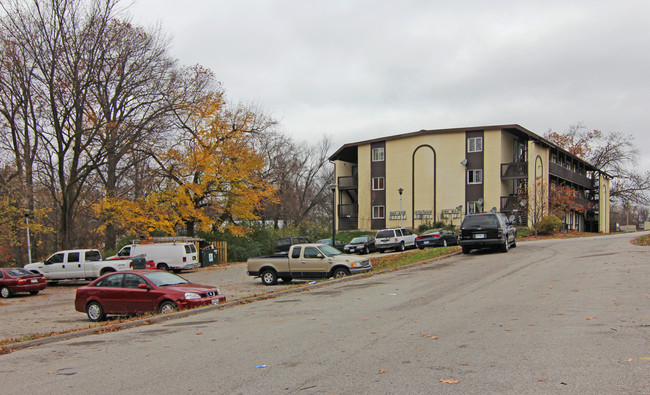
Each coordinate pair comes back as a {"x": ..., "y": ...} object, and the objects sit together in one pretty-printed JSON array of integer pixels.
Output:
[
  {"x": 449, "y": 381},
  {"x": 383, "y": 371}
]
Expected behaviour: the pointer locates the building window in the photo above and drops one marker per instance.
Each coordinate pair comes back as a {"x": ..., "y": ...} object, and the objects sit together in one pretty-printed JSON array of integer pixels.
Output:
[
  {"x": 474, "y": 207},
  {"x": 377, "y": 154},
  {"x": 378, "y": 212},
  {"x": 378, "y": 183},
  {"x": 475, "y": 176},
  {"x": 475, "y": 144}
]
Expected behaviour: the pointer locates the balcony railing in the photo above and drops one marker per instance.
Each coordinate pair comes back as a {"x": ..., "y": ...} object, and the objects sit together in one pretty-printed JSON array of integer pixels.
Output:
[
  {"x": 569, "y": 175},
  {"x": 348, "y": 210},
  {"x": 348, "y": 182},
  {"x": 510, "y": 171}
]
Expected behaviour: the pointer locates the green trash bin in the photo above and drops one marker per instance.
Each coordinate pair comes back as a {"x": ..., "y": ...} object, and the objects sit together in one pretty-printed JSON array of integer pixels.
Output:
[{"x": 208, "y": 257}]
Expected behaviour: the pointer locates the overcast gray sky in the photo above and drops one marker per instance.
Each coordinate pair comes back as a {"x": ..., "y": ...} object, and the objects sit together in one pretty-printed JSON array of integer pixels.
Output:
[{"x": 368, "y": 68}]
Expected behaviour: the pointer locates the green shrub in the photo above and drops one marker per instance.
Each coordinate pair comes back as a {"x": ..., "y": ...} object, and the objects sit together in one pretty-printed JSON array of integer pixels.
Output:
[
  {"x": 548, "y": 225},
  {"x": 523, "y": 232}
]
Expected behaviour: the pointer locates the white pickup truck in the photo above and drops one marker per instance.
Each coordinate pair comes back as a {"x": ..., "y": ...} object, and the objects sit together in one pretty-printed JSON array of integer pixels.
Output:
[{"x": 76, "y": 264}]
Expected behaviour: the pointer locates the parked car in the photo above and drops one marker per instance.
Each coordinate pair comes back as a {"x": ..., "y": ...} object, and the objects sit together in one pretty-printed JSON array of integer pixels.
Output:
[
  {"x": 394, "y": 239},
  {"x": 361, "y": 244},
  {"x": 491, "y": 230},
  {"x": 283, "y": 244},
  {"x": 15, "y": 280},
  {"x": 174, "y": 256},
  {"x": 338, "y": 244},
  {"x": 82, "y": 264},
  {"x": 437, "y": 238},
  {"x": 142, "y": 291},
  {"x": 306, "y": 261}
]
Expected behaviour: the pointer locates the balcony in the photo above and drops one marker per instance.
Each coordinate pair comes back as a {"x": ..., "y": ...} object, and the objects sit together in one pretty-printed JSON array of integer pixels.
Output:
[
  {"x": 512, "y": 171},
  {"x": 565, "y": 174},
  {"x": 348, "y": 215},
  {"x": 348, "y": 182},
  {"x": 348, "y": 210}
]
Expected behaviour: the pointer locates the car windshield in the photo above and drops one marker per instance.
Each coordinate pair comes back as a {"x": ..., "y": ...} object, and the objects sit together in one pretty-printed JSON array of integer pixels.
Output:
[
  {"x": 359, "y": 240},
  {"x": 481, "y": 220},
  {"x": 329, "y": 250},
  {"x": 161, "y": 279},
  {"x": 18, "y": 272}
]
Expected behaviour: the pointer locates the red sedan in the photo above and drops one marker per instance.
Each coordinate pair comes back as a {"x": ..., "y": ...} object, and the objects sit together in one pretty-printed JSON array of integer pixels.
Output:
[
  {"x": 14, "y": 280},
  {"x": 142, "y": 291}
]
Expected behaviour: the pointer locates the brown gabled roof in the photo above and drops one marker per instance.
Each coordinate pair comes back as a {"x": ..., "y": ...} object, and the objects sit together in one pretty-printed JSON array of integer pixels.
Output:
[{"x": 348, "y": 151}]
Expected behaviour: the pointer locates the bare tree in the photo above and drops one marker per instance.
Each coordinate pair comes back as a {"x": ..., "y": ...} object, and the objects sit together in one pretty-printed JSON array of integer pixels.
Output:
[
  {"x": 613, "y": 153},
  {"x": 302, "y": 174},
  {"x": 130, "y": 96},
  {"x": 63, "y": 41}
]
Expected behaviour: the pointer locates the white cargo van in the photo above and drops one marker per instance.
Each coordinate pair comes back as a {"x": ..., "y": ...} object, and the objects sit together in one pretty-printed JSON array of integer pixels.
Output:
[{"x": 166, "y": 256}]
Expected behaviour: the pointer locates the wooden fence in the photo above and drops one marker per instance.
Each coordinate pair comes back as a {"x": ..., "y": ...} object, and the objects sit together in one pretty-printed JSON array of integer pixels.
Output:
[{"x": 222, "y": 251}]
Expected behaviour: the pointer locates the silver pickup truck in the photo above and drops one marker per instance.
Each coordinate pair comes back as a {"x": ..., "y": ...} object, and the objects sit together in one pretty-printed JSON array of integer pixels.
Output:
[{"x": 307, "y": 262}]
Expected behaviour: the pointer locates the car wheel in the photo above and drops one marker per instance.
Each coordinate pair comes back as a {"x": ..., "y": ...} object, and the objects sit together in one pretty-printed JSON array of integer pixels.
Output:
[
  {"x": 162, "y": 266},
  {"x": 505, "y": 246},
  {"x": 167, "y": 307},
  {"x": 106, "y": 271},
  {"x": 340, "y": 273},
  {"x": 444, "y": 242},
  {"x": 401, "y": 246},
  {"x": 33, "y": 292},
  {"x": 466, "y": 250},
  {"x": 421, "y": 247},
  {"x": 5, "y": 292},
  {"x": 95, "y": 312},
  {"x": 269, "y": 277},
  {"x": 381, "y": 250},
  {"x": 286, "y": 279}
]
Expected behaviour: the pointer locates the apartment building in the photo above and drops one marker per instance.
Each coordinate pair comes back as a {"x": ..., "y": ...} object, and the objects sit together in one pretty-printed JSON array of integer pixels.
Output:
[{"x": 442, "y": 175}]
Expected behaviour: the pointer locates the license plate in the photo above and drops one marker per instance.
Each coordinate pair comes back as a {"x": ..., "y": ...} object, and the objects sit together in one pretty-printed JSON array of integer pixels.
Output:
[
  {"x": 479, "y": 236},
  {"x": 215, "y": 301},
  {"x": 34, "y": 280}
]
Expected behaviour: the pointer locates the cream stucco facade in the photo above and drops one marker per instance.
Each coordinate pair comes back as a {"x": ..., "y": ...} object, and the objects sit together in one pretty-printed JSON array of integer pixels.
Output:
[{"x": 445, "y": 174}]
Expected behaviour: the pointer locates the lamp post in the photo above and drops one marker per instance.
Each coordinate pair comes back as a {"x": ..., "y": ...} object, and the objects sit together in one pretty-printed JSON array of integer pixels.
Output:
[
  {"x": 29, "y": 248},
  {"x": 401, "y": 216},
  {"x": 333, "y": 188}
]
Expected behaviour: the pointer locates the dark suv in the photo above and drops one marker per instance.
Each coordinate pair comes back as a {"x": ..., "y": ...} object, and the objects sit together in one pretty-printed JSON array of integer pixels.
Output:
[
  {"x": 492, "y": 230},
  {"x": 283, "y": 244}
]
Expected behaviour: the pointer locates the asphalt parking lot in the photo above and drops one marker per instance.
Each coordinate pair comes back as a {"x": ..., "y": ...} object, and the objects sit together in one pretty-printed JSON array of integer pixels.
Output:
[{"x": 52, "y": 310}]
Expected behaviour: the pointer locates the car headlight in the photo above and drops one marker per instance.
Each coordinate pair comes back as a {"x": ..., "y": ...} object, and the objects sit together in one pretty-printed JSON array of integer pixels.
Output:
[{"x": 192, "y": 295}]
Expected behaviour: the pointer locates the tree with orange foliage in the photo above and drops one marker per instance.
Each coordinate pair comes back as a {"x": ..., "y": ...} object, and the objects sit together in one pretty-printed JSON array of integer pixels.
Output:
[{"x": 213, "y": 173}]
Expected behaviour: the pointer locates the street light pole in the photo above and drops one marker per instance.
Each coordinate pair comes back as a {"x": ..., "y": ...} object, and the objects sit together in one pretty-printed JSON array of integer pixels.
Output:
[
  {"x": 401, "y": 216},
  {"x": 333, "y": 188},
  {"x": 29, "y": 248}
]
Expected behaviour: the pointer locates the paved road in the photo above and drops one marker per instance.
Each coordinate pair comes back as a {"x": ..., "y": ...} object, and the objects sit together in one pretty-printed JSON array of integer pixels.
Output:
[{"x": 569, "y": 316}]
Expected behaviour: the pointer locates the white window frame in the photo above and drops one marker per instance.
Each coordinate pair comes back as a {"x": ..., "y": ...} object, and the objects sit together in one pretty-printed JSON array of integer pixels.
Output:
[
  {"x": 375, "y": 213},
  {"x": 474, "y": 144},
  {"x": 377, "y": 154},
  {"x": 473, "y": 207},
  {"x": 477, "y": 176},
  {"x": 378, "y": 180}
]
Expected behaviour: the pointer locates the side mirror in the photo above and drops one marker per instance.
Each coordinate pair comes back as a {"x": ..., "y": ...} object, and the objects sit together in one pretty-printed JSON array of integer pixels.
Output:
[
  {"x": 321, "y": 256},
  {"x": 511, "y": 219},
  {"x": 143, "y": 286}
]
